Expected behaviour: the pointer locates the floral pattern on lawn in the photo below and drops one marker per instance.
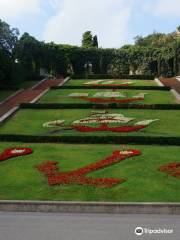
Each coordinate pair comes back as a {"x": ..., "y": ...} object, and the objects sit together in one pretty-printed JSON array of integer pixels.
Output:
[
  {"x": 172, "y": 169},
  {"x": 103, "y": 120},
  {"x": 109, "y": 83},
  {"x": 56, "y": 177},
  {"x": 15, "y": 152},
  {"x": 109, "y": 97}
]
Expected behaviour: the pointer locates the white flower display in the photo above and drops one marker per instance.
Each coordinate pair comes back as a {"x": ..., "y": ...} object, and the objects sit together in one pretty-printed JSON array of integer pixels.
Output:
[
  {"x": 125, "y": 152},
  {"x": 146, "y": 122},
  {"x": 78, "y": 95},
  {"x": 17, "y": 151},
  {"x": 98, "y": 112},
  {"x": 128, "y": 82},
  {"x": 56, "y": 123},
  {"x": 104, "y": 118},
  {"x": 93, "y": 82},
  {"x": 140, "y": 95},
  {"x": 108, "y": 94},
  {"x": 108, "y": 82}
]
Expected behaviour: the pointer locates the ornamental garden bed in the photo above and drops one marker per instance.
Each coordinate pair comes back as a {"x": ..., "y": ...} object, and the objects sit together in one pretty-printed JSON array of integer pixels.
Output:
[
  {"x": 144, "y": 177},
  {"x": 110, "y": 82},
  {"x": 108, "y": 96},
  {"x": 88, "y": 122}
]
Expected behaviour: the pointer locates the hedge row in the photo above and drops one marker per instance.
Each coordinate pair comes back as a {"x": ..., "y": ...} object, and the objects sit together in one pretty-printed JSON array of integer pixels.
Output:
[
  {"x": 99, "y": 106},
  {"x": 106, "y": 76},
  {"x": 8, "y": 88},
  {"x": 146, "y": 140},
  {"x": 159, "y": 88}
]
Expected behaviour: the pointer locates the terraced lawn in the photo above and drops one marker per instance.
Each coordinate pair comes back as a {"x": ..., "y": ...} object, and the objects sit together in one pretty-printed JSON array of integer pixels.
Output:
[
  {"x": 20, "y": 180},
  {"x": 30, "y": 121},
  {"x": 134, "y": 82},
  {"x": 151, "y": 97}
]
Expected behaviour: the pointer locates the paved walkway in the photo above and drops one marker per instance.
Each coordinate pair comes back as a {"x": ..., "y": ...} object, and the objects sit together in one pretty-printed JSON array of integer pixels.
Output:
[
  {"x": 42, "y": 226},
  {"x": 28, "y": 95},
  {"x": 171, "y": 82}
]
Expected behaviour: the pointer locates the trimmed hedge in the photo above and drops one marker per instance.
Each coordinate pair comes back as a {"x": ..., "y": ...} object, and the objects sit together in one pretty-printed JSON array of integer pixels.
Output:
[
  {"x": 8, "y": 88},
  {"x": 106, "y": 76},
  {"x": 159, "y": 88},
  {"x": 92, "y": 139},
  {"x": 99, "y": 106}
]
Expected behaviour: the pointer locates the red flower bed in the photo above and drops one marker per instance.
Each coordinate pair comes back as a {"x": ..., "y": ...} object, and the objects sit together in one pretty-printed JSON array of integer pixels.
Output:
[
  {"x": 172, "y": 169},
  {"x": 111, "y": 100},
  {"x": 14, "y": 152},
  {"x": 50, "y": 169},
  {"x": 112, "y": 85},
  {"x": 105, "y": 127}
]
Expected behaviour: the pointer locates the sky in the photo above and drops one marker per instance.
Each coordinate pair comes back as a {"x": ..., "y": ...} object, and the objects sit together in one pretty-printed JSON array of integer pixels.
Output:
[{"x": 115, "y": 22}]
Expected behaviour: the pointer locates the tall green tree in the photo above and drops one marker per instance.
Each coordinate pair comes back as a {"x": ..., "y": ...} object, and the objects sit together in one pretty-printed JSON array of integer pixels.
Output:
[
  {"x": 87, "y": 39},
  {"x": 28, "y": 52},
  {"x": 8, "y": 41},
  {"x": 95, "y": 41},
  {"x": 8, "y": 36}
]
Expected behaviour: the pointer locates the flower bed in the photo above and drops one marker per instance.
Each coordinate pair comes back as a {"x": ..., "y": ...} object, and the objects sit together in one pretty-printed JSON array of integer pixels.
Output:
[
  {"x": 78, "y": 95},
  {"x": 110, "y": 83},
  {"x": 102, "y": 119},
  {"x": 53, "y": 123},
  {"x": 111, "y": 100},
  {"x": 172, "y": 169},
  {"x": 14, "y": 152},
  {"x": 108, "y": 94},
  {"x": 55, "y": 177},
  {"x": 105, "y": 127}
]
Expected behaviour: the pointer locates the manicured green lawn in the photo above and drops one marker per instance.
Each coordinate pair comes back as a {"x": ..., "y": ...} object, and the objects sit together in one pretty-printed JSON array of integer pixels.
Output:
[
  {"x": 30, "y": 122},
  {"x": 152, "y": 97},
  {"x": 20, "y": 180},
  {"x": 5, "y": 94},
  {"x": 135, "y": 82}
]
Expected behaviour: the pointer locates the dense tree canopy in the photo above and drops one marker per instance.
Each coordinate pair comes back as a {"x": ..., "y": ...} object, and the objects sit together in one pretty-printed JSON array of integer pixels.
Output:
[
  {"x": 87, "y": 39},
  {"x": 8, "y": 36},
  {"x": 156, "y": 54}
]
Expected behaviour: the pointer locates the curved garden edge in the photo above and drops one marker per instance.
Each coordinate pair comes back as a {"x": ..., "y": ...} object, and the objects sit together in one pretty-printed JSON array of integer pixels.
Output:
[{"x": 90, "y": 207}]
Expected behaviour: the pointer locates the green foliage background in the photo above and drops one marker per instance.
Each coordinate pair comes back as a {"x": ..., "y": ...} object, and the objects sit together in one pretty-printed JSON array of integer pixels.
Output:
[{"x": 22, "y": 58}]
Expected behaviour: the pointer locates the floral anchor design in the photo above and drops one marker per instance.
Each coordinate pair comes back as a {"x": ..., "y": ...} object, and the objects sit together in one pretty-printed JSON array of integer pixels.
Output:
[{"x": 78, "y": 176}]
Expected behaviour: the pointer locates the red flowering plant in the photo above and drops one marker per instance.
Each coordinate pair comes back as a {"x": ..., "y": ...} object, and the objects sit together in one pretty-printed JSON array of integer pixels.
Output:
[
  {"x": 105, "y": 119},
  {"x": 109, "y": 83},
  {"x": 14, "y": 152},
  {"x": 112, "y": 96},
  {"x": 172, "y": 169},
  {"x": 112, "y": 85},
  {"x": 111, "y": 100},
  {"x": 77, "y": 176},
  {"x": 105, "y": 127}
]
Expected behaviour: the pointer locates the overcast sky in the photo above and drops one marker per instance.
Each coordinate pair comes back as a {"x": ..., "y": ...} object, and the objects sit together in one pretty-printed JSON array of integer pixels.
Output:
[{"x": 116, "y": 22}]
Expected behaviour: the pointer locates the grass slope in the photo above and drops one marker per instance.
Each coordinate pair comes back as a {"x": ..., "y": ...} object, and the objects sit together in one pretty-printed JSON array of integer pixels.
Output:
[
  {"x": 136, "y": 82},
  {"x": 152, "y": 97},
  {"x": 20, "y": 180},
  {"x": 30, "y": 122}
]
